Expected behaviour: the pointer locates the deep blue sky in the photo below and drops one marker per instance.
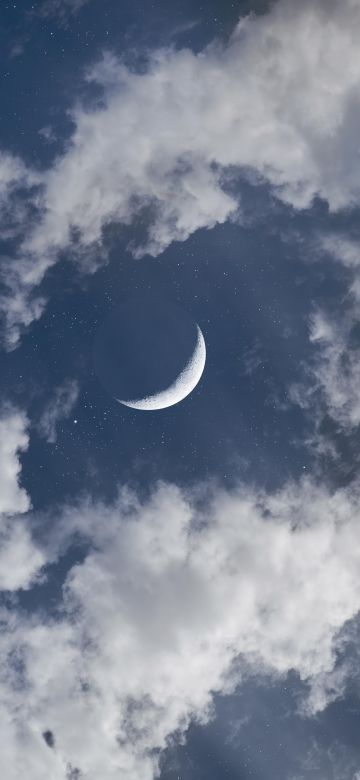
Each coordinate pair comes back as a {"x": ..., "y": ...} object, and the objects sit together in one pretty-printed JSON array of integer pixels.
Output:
[{"x": 250, "y": 287}]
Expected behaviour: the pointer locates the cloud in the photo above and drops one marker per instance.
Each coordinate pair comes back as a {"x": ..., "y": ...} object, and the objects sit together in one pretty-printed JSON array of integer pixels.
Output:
[
  {"x": 61, "y": 9},
  {"x": 338, "y": 369},
  {"x": 14, "y": 176},
  {"x": 332, "y": 375},
  {"x": 172, "y": 599},
  {"x": 335, "y": 762},
  {"x": 20, "y": 559},
  {"x": 19, "y": 190},
  {"x": 48, "y": 134},
  {"x": 342, "y": 248},
  {"x": 13, "y": 440},
  {"x": 165, "y": 144},
  {"x": 59, "y": 408}
]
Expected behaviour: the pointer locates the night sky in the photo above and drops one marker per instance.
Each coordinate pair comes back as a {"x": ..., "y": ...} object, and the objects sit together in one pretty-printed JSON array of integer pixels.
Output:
[{"x": 180, "y": 589}]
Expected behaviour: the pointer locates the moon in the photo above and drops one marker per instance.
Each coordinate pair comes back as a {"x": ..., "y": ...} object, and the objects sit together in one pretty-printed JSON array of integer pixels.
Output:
[
  {"x": 183, "y": 385},
  {"x": 149, "y": 354}
]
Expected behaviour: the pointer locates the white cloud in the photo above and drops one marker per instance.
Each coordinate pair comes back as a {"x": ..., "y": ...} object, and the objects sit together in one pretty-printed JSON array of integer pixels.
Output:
[
  {"x": 13, "y": 173},
  {"x": 59, "y": 408},
  {"x": 13, "y": 440},
  {"x": 333, "y": 377},
  {"x": 341, "y": 248},
  {"x": 344, "y": 250},
  {"x": 19, "y": 189},
  {"x": 330, "y": 384},
  {"x": 272, "y": 100},
  {"x": 167, "y": 602},
  {"x": 337, "y": 370},
  {"x": 20, "y": 559}
]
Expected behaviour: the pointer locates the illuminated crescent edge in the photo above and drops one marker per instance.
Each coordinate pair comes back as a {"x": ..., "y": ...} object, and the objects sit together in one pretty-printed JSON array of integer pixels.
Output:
[{"x": 183, "y": 385}]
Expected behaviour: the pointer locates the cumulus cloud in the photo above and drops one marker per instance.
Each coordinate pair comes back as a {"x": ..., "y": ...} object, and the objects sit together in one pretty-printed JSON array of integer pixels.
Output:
[
  {"x": 169, "y": 601},
  {"x": 166, "y": 141},
  {"x": 59, "y": 408},
  {"x": 20, "y": 559}
]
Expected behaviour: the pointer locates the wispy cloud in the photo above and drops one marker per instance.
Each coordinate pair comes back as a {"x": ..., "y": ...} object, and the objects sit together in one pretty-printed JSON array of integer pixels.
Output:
[
  {"x": 332, "y": 374},
  {"x": 335, "y": 762},
  {"x": 61, "y": 9},
  {"x": 58, "y": 408}
]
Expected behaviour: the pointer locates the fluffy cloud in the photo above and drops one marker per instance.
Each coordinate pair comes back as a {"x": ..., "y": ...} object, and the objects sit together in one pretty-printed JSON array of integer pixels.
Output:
[
  {"x": 13, "y": 440},
  {"x": 166, "y": 141},
  {"x": 267, "y": 100},
  {"x": 59, "y": 408},
  {"x": 20, "y": 559},
  {"x": 171, "y": 597}
]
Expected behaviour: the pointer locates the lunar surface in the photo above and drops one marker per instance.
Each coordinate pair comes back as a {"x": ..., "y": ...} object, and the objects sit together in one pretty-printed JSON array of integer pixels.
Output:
[
  {"x": 183, "y": 385},
  {"x": 149, "y": 354}
]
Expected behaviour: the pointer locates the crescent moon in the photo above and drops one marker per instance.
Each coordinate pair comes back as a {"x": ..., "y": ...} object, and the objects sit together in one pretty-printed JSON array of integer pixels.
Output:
[{"x": 183, "y": 385}]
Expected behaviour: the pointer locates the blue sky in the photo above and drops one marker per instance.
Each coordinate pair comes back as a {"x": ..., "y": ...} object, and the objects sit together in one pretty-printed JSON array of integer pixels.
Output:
[{"x": 180, "y": 589}]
